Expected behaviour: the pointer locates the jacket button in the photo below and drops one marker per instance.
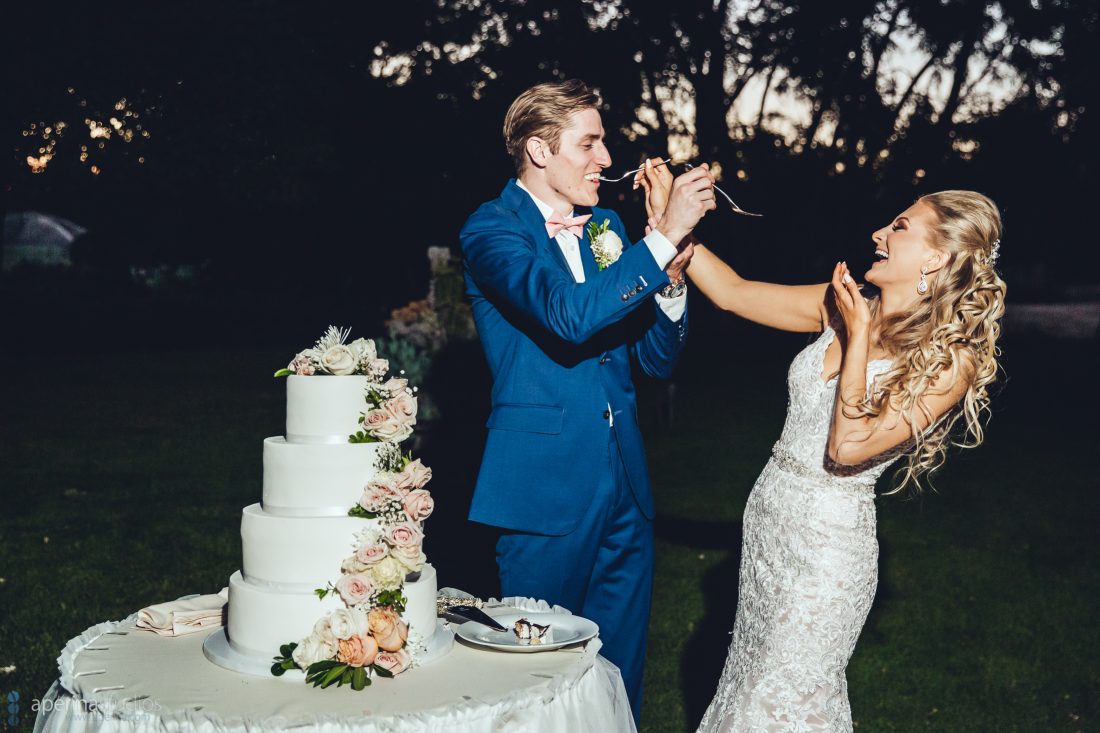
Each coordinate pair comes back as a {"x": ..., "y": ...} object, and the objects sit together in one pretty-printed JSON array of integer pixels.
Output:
[
  {"x": 626, "y": 297},
  {"x": 607, "y": 414},
  {"x": 603, "y": 359}
]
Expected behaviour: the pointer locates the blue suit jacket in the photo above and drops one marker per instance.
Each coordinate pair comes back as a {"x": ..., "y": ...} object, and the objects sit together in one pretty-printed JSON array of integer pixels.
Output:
[{"x": 559, "y": 352}]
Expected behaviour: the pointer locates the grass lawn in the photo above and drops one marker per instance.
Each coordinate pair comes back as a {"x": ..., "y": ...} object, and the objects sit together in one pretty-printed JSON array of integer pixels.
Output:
[{"x": 123, "y": 475}]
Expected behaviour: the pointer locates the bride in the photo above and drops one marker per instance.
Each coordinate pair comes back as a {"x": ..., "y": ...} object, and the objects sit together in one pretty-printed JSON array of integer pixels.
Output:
[{"x": 888, "y": 379}]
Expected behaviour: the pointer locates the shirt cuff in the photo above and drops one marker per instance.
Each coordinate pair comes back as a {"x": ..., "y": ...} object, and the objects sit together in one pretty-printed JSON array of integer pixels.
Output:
[
  {"x": 662, "y": 250},
  {"x": 673, "y": 307}
]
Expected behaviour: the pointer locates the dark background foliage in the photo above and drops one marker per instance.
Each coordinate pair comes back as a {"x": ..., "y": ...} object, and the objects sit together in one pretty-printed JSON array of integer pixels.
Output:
[{"x": 304, "y": 156}]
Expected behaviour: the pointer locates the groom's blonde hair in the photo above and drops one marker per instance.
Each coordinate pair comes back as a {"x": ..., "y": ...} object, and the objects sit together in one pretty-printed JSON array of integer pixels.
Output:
[{"x": 543, "y": 111}]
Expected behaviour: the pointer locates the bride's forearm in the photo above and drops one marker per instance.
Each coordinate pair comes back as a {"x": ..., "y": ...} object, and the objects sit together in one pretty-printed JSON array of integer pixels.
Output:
[
  {"x": 714, "y": 278},
  {"x": 786, "y": 307},
  {"x": 848, "y": 430}
]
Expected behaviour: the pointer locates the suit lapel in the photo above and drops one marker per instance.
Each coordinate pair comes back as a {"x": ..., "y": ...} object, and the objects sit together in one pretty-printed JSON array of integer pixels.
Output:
[
  {"x": 587, "y": 258},
  {"x": 529, "y": 215}
]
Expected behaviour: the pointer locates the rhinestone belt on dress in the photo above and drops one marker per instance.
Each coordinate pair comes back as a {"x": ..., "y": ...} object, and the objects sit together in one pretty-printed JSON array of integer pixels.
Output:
[{"x": 785, "y": 461}]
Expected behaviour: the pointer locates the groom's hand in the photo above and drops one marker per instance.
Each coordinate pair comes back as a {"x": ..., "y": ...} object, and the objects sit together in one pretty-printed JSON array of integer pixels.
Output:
[{"x": 692, "y": 196}]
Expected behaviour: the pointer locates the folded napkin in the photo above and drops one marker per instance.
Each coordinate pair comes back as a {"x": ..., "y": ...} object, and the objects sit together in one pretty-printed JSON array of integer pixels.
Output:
[{"x": 184, "y": 616}]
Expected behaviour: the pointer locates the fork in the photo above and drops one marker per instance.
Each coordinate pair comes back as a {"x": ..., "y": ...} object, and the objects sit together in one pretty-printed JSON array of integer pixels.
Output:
[
  {"x": 630, "y": 173},
  {"x": 736, "y": 208}
]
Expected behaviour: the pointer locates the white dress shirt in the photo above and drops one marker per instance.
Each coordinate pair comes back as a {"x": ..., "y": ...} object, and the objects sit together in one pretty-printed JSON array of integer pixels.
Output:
[{"x": 662, "y": 250}]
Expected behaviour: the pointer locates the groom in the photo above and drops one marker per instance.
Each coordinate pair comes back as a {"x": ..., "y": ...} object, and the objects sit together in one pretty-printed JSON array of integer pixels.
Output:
[{"x": 564, "y": 472}]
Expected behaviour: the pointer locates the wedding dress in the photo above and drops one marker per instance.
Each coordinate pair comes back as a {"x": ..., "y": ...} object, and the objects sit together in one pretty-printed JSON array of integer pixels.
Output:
[{"x": 809, "y": 569}]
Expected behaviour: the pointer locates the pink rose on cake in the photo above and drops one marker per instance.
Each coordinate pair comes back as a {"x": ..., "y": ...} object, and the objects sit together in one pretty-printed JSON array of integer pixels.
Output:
[
  {"x": 372, "y": 553},
  {"x": 419, "y": 505},
  {"x": 378, "y": 368},
  {"x": 403, "y": 405},
  {"x": 404, "y": 534},
  {"x": 394, "y": 385},
  {"x": 355, "y": 588},
  {"x": 304, "y": 363},
  {"x": 415, "y": 475},
  {"x": 383, "y": 424},
  {"x": 388, "y": 628},
  {"x": 396, "y": 662},
  {"x": 412, "y": 557},
  {"x": 379, "y": 494},
  {"x": 373, "y": 419},
  {"x": 357, "y": 651}
]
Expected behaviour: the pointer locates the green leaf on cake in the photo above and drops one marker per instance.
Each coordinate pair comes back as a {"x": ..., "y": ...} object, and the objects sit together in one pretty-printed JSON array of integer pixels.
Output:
[
  {"x": 277, "y": 669},
  {"x": 346, "y": 677},
  {"x": 358, "y": 511},
  {"x": 333, "y": 675},
  {"x": 382, "y": 671},
  {"x": 362, "y": 437},
  {"x": 359, "y": 679},
  {"x": 284, "y": 372}
]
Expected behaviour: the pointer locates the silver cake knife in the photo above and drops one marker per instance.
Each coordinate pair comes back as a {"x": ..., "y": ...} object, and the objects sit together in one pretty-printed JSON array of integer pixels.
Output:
[{"x": 462, "y": 614}]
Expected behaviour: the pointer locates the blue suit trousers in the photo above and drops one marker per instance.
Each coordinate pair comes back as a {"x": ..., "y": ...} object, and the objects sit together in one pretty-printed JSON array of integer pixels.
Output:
[{"x": 602, "y": 570}]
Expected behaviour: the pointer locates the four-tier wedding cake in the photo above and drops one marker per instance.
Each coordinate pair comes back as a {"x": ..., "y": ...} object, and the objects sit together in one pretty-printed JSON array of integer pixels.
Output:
[{"x": 333, "y": 579}]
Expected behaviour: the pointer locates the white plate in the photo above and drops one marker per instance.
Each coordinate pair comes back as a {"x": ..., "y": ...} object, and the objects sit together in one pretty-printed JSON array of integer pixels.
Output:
[{"x": 566, "y": 630}]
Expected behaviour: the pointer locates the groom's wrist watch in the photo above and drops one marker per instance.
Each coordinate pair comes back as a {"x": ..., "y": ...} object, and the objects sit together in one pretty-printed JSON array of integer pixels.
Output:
[{"x": 674, "y": 289}]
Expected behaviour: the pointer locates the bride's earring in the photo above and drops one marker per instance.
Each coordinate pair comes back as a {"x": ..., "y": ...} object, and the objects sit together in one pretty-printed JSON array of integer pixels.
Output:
[{"x": 922, "y": 286}]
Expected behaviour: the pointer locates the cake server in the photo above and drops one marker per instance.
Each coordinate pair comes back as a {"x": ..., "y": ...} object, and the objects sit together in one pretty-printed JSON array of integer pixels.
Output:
[{"x": 462, "y": 614}]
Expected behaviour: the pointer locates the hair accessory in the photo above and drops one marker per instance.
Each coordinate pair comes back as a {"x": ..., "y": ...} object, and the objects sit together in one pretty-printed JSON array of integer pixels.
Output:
[
  {"x": 922, "y": 286},
  {"x": 994, "y": 252}
]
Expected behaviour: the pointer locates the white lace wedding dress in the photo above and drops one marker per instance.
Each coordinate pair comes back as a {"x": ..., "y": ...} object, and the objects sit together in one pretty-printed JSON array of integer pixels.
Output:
[{"x": 809, "y": 568}]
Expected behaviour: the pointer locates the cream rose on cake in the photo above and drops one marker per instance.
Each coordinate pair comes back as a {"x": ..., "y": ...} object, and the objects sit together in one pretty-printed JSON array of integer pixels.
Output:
[{"x": 339, "y": 361}]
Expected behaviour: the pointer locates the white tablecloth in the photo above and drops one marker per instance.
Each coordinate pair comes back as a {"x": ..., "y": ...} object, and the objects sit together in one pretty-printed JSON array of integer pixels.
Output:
[{"x": 116, "y": 678}]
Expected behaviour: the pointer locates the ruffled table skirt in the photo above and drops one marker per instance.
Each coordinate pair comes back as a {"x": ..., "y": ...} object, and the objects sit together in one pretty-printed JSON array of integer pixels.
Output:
[{"x": 115, "y": 678}]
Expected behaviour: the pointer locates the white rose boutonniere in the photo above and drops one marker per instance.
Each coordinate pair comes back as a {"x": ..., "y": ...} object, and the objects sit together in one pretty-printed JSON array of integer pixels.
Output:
[{"x": 606, "y": 245}]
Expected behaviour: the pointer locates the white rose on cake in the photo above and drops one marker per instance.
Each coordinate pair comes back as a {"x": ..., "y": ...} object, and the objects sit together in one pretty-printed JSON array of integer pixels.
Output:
[
  {"x": 347, "y": 622},
  {"x": 388, "y": 574},
  {"x": 339, "y": 360},
  {"x": 312, "y": 649},
  {"x": 364, "y": 352}
]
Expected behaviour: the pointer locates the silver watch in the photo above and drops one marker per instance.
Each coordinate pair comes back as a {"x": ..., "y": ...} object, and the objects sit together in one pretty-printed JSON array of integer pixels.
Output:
[{"x": 674, "y": 290}]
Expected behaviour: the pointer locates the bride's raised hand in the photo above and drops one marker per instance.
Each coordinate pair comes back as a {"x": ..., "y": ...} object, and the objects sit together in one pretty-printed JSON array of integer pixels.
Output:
[
  {"x": 850, "y": 302},
  {"x": 657, "y": 182}
]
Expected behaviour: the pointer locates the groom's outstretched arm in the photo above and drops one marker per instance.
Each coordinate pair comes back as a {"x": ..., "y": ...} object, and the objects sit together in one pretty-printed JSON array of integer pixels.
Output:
[
  {"x": 659, "y": 348},
  {"x": 508, "y": 265}
]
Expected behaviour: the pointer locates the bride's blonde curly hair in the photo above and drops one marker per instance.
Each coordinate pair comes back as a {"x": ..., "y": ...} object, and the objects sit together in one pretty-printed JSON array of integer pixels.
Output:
[{"x": 954, "y": 328}]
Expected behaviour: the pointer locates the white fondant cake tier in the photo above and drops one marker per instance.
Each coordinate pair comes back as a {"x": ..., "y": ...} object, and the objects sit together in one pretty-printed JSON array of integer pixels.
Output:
[
  {"x": 296, "y": 552},
  {"x": 261, "y": 618},
  {"x": 315, "y": 479},
  {"x": 420, "y": 612},
  {"x": 323, "y": 409}
]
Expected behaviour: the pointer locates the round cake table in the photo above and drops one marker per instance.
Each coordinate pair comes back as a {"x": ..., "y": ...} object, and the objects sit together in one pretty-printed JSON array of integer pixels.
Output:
[{"x": 117, "y": 678}]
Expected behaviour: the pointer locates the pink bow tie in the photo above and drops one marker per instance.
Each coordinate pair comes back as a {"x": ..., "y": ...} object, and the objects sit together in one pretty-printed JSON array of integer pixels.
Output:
[{"x": 574, "y": 224}]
